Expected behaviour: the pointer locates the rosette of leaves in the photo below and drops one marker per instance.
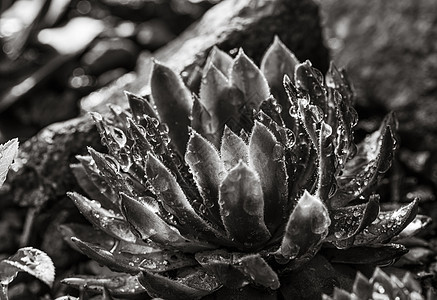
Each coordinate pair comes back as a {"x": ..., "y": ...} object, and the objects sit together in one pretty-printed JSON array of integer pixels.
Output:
[
  {"x": 380, "y": 286},
  {"x": 236, "y": 185}
]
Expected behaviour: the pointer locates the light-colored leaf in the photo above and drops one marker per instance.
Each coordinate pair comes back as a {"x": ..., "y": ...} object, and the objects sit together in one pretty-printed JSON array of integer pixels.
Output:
[
  {"x": 8, "y": 152},
  {"x": 30, "y": 260}
]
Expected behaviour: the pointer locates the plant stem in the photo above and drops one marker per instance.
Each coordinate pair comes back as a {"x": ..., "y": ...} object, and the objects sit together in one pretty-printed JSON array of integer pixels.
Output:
[
  {"x": 4, "y": 292},
  {"x": 28, "y": 225}
]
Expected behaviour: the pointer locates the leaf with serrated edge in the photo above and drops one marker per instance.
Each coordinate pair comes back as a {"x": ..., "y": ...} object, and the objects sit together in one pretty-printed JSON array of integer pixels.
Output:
[
  {"x": 105, "y": 219},
  {"x": 233, "y": 149},
  {"x": 266, "y": 157},
  {"x": 30, "y": 260},
  {"x": 8, "y": 152},
  {"x": 173, "y": 102},
  {"x": 246, "y": 76},
  {"x": 220, "y": 59},
  {"x": 208, "y": 171}
]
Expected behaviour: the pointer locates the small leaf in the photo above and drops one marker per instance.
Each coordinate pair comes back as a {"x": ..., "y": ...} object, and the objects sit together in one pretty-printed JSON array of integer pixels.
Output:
[
  {"x": 220, "y": 59},
  {"x": 311, "y": 80},
  {"x": 362, "y": 287},
  {"x": 236, "y": 270},
  {"x": 8, "y": 152},
  {"x": 242, "y": 207},
  {"x": 121, "y": 285},
  {"x": 173, "y": 102},
  {"x": 246, "y": 76},
  {"x": 30, "y": 260},
  {"x": 233, "y": 149},
  {"x": 105, "y": 219},
  {"x": 194, "y": 285},
  {"x": 266, "y": 157},
  {"x": 140, "y": 107},
  {"x": 306, "y": 229},
  {"x": 419, "y": 223}
]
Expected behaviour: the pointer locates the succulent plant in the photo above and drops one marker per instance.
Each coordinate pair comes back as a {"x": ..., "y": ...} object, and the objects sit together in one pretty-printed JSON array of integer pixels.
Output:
[
  {"x": 237, "y": 185},
  {"x": 381, "y": 286}
]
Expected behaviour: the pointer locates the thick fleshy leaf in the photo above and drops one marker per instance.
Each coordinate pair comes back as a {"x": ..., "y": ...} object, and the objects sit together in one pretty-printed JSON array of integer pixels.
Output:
[
  {"x": 242, "y": 207},
  {"x": 102, "y": 185},
  {"x": 236, "y": 270},
  {"x": 220, "y": 59},
  {"x": 266, "y": 157},
  {"x": 86, "y": 233},
  {"x": 419, "y": 223},
  {"x": 30, "y": 260},
  {"x": 387, "y": 225},
  {"x": 259, "y": 271},
  {"x": 173, "y": 102},
  {"x": 121, "y": 285},
  {"x": 233, "y": 149},
  {"x": 142, "y": 145},
  {"x": 306, "y": 229},
  {"x": 140, "y": 107},
  {"x": 88, "y": 185},
  {"x": 111, "y": 136},
  {"x": 382, "y": 283},
  {"x": 373, "y": 158},
  {"x": 208, "y": 172},
  {"x": 171, "y": 194},
  {"x": 149, "y": 225},
  {"x": 194, "y": 285},
  {"x": 8, "y": 152},
  {"x": 311, "y": 80},
  {"x": 375, "y": 254},
  {"x": 348, "y": 221},
  {"x": 246, "y": 76},
  {"x": 326, "y": 185},
  {"x": 277, "y": 62},
  {"x": 107, "y": 220}
]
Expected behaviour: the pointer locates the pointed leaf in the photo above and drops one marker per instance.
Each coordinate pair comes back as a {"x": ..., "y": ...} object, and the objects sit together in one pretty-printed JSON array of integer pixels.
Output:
[
  {"x": 8, "y": 152},
  {"x": 382, "y": 280},
  {"x": 235, "y": 270},
  {"x": 150, "y": 226},
  {"x": 87, "y": 234},
  {"x": 242, "y": 206},
  {"x": 85, "y": 182},
  {"x": 348, "y": 221},
  {"x": 30, "y": 260},
  {"x": 374, "y": 156},
  {"x": 419, "y": 223},
  {"x": 233, "y": 149},
  {"x": 259, "y": 271},
  {"x": 220, "y": 59},
  {"x": 277, "y": 62},
  {"x": 246, "y": 76},
  {"x": 387, "y": 225},
  {"x": 107, "y": 220},
  {"x": 311, "y": 80},
  {"x": 171, "y": 194},
  {"x": 121, "y": 285},
  {"x": 208, "y": 171},
  {"x": 140, "y": 107},
  {"x": 326, "y": 171},
  {"x": 306, "y": 229},
  {"x": 173, "y": 102},
  {"x": 266, "y": 157},
  {"x": 375, "y": 254},
  {"x": 195, "y": 285}
]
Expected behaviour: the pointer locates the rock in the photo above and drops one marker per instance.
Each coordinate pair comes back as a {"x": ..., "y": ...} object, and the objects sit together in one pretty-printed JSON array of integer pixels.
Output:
[{"x": 44, "y": 173}]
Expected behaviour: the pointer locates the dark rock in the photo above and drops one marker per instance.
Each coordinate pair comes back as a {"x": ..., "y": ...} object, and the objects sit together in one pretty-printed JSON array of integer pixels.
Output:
[{"x": 44, "y": 170}]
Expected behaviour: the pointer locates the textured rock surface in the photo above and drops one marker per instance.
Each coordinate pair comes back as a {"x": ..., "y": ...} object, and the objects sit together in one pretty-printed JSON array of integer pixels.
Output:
[{"x": 233, "y": 23}]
